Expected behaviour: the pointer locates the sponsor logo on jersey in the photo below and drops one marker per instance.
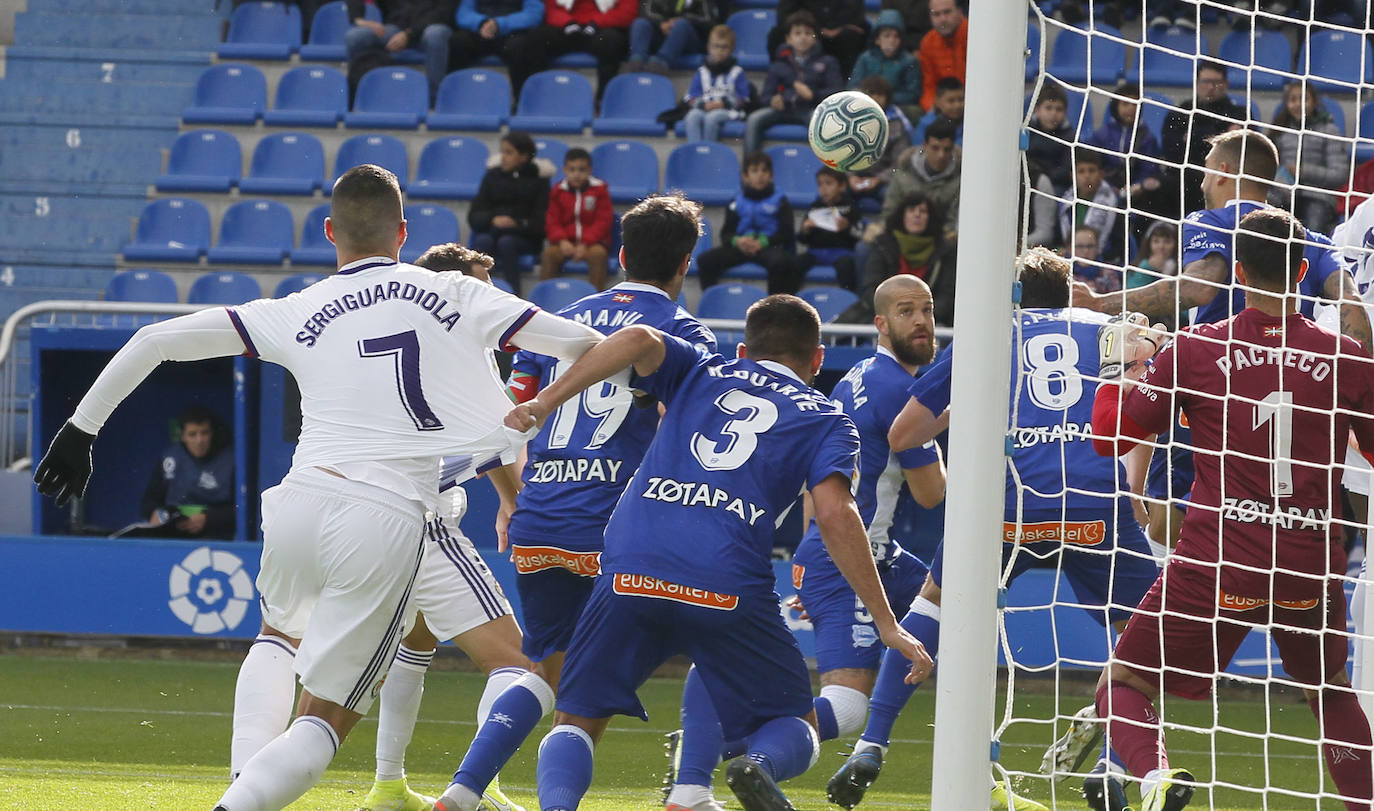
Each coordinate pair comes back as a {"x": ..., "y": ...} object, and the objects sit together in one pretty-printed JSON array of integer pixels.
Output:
[
  {"x": 1250, "y": 511},
  {"x": 1235, "y": 602},
  {"x": 1031, "y": 436},
  {"x": 798, "y": 572},
  {"x": 531, "y": 559},
  {"x": 863, "y": 636},
  {"x": 576, "y": 470},
  {"x": 623, "y": 298},
  {"x": 690, "y": 494},
  {"x": 1076, "y": 533},
  {"x": 639, "y": 585}
]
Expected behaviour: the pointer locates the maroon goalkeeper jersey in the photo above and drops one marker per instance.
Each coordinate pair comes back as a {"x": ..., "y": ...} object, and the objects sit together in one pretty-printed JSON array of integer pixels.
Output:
[{"x": 1270, "y": 405}]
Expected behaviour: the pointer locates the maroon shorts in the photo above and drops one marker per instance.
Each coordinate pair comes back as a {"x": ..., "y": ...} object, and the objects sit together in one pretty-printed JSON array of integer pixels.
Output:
[{"x": 1185, "y": 632}]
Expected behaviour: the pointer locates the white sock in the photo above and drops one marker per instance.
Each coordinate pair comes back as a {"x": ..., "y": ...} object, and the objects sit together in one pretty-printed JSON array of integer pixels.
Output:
[
  {"x": 284, "y": 769},
  {"x": 689, "y": 796},
  {"x": 458, "y": 797},
  {"x": 869, "y": 746},
  {"x": 400, "y": 706},
  {"x": 850, "y": 707},
  {"x": 263, "y": 697},
  {"x": 497, "y": 681},
  {"x": 1150, "y": 780}
]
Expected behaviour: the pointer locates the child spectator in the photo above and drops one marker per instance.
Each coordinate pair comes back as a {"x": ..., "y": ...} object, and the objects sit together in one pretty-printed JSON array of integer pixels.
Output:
[
  {"x": 507, "y": 215},
  {"x": 1312, "y": 155},
  {"x": 1159, "y": 257},
  {"x": 578, "y": 223},
  {"x": 758, "y": 228},
  {"x": 1048, "y": 123},
  {"x": 887, "y": 59},
  {"x": 1094, "y": 203},
  {"x": 800, "y": 76},
  {"x": 673, "y": 27},
  {"x": 720, "y": 91},
  {"x": 1123, "y": 133},
  {"x": 1088, "y": 264},
  {"x": 869, "y": 184},
  {"x": 949, "y": 103},
  {"x": 830, "y": 229}
]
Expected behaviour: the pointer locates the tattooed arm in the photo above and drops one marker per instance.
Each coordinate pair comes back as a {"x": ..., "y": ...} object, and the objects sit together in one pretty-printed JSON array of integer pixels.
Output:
[
  {"x": 1340, "y": 287},
  {"x": 1161, "y": 299}
]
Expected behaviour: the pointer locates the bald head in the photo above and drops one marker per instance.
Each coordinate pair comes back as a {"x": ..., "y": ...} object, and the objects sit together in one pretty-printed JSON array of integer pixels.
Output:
[
  {"x": 365, "y": 212},
  {"x": 896, "y": 287}
]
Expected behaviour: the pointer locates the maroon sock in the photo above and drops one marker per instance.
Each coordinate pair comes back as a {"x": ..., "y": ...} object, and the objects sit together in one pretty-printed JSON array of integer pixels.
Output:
[
  {"x": 1133, "y": 728},
  {"x": 1345, "y": 731}
]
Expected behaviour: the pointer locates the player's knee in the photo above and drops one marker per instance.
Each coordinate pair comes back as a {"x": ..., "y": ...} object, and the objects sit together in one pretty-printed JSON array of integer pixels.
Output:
[
  {"x": 540, "y": 689},
  {"x": 849, "y": 705}
]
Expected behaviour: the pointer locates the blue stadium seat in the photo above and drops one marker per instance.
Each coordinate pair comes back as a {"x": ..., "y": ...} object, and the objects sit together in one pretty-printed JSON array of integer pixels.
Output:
[
  {"x": 632, "y": 103},
  {"x": 472, "y": 99},
  {"x": 707, "y": 172},
  {"x": 502, "y": 284},
  {"x": 202, "y": 160},
  {"x": 554, "y": 101},
  {"x": 295, "y": 283},
  {"x": 572, "y": 60},
  {"x": 1266, "y": 49},
  {"x": 794, "y": 173},
  {"x": 1364, "y": 144},
  {"x": 1069, "y": 57},
  {"x": 142, "y": 285},
  {"x": 1154, "y": 108},
  {"x": 390, "y": 98},
  {"x": 555, "y": 294},
  {"x": 285, "y": 163},
  {"x": 1032, "y": 49},
  {"x": 254, "y": 232},
  {"x": 1172, "y": 67},
  {"x": 309, "y": 97},
  {"x": 630, "y": 169},
  {"x": 223, "y": 288},
  {"x": 327, "y": 30},
  {"x": 450, "y": 169},
  {"x": 262, "y": 30},
  {"x": 553, "y": 151},
  {"x": 1343, "y": 57},
  {"x": 426, "y": 227},
  {"x": 170, "y": 230},
  {"x": 227, "y": 94},
  {"x": 828, "y": 301},
  {"x": 751, "y": 36},
  {"x": 386, "y": 151},
  {"x": 315, "y": 247},
  {"x": 728, "y": 300},
  {"x": 703, "y": 244}
]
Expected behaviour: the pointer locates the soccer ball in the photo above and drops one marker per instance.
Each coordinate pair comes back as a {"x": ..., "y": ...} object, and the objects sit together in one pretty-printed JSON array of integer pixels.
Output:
[{"x": 848, "y": 131}]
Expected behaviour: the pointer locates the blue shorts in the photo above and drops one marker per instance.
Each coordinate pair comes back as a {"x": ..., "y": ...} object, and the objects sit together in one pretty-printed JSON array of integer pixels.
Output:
[
  {"x": 746, "y": 657},
  {"x": 1171, "y": 468},
  {"x": 1104, "y": 554},
  {"x": 845, "y": 634},
  {"x": 551, "y": 601}
]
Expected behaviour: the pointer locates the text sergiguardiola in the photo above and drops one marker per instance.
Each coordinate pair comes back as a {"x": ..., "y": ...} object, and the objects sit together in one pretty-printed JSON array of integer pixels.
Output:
[{"x": 436, "y": 305}]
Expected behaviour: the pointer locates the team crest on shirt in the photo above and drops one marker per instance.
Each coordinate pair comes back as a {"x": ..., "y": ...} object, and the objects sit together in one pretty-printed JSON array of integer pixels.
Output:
[{"x": 623, "y": 298}]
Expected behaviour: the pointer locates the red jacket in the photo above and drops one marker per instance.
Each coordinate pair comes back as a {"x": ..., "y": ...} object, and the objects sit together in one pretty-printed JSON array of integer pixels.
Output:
[
  {"x": 585, "y": 11},
  {"x": 583, "y": 217}
]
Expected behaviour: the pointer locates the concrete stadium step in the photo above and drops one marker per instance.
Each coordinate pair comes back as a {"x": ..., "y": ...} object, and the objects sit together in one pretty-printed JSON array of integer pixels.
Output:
[
  {"x": 131, "y": 31},
  {"x": 181, "y": 8},
  {"x": 67, "y": 207},
  {"x": 55, "y": 281},
  {"x": 80, "y": 119},
  {"x": 126, "y": 100},
  {"x": 124, "y": 69},
  {"x": 105, "y": 234},
  {"x": 89, "y": 166},
  {"x": 95, "y": 137}
]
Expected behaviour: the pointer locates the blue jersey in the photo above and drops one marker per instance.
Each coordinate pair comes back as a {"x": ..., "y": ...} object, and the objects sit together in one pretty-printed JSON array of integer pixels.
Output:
[
  {"x": 590, "y": 447},
  {"x": 1053, "y": 360},
  {"x": 739, "y": 442},
  {"x": 872, "y": 393},
  {"x": 1213, "y": 231}
]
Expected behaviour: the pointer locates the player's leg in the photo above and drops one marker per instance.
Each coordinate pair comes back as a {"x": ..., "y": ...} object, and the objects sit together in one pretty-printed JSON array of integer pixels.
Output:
[
  {"x": 398, "y": 708},
  {"x": 263, "y": 695},
  {"x": 695, "y": 750},
  {"x": 495, "y": 648}
]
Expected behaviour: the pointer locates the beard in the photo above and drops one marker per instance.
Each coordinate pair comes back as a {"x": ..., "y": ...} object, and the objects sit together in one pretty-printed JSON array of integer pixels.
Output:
[{"x": 915, "y": 353}]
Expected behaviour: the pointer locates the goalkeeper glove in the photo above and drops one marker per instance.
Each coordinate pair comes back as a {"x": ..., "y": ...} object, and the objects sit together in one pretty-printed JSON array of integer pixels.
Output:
[
  {"x": 1123, "y": 343},
  {"x": 66, "y": 467}
]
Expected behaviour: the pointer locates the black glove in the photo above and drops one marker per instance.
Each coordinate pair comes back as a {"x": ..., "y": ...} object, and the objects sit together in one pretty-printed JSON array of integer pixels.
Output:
[{"x": 66, "y": 467}]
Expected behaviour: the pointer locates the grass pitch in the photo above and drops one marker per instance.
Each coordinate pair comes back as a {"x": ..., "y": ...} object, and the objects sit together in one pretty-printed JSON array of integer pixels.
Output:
[{"x": 140, "y": 733}]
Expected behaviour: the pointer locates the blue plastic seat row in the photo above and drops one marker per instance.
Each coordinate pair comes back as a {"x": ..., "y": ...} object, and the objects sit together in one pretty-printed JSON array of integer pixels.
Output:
[{"x": 146, "y": 285}]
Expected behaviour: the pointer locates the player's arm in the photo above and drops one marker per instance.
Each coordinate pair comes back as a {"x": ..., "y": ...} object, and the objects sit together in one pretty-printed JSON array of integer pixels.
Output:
[
  {"x": 506, "y": 480},
  {"x": 914, "y": 426},
  {"x": 1162, "y": 298},
  {"x": 547, "y": 334},
  {"x": 842, "y": 531},
  {"x": 1340, "y": 287},
  {"x": 927, "y": 483},
  {"x": 638, "y": 346}
]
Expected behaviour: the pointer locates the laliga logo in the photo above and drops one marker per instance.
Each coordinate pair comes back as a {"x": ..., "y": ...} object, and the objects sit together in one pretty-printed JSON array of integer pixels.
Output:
[{"x": 210, "y": 591}]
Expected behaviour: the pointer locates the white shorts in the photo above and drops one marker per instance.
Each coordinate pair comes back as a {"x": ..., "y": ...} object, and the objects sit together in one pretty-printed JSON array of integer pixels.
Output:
[
  {"x": 339, "y": 560},
  {"x": 455, "y": 590}
]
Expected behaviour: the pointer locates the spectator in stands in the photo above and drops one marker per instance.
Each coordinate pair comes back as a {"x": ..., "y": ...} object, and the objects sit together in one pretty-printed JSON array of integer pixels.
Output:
[
  {"x": 1050, "y": 135},
  {"x": 307, "y": 7},
  {"x": 933, "y": 170},
  {"x": 758, "y": 228},
  {"x": 423, "y": 24},
  {"x": 1094, "y": 203},
  {"x": 598, "y": 27},
  {"x": 191, "y": 494},
  {"x": 870, "y": 183},
  {"x": 1124, "y": 133},
  {"x": 949, "y": 104},
  {"x": 720, "y": 90},
  {"x": 887, "y": 59},
  {"x": 1159, "y": 257},
  {"x": 1186, "y": 136},
  {"x": 830, "y": 229},
  {"x": 1088, "y": 264},
  {"x": 944, "y": 48},
  {"x": 1312, "y": 155},
  {"x": 507, "y": 215},
  {"x": 1042, "y": 215},
  {"x": 578, "y": 223},
  {"x": 667, "y": 30},
  {"x": 915, "y": 21},
  {"x": 797, "y": 80},
  {"x": 487, "y": 27},
  {"x": 843, "y": 30},
  {"x": 912, "y": 242},
  {"x": 1164, "y": 13}
]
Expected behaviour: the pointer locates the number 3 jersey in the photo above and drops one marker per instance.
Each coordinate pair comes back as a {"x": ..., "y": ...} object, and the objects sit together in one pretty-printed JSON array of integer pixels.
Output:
[{"x": 590, "y": 447}]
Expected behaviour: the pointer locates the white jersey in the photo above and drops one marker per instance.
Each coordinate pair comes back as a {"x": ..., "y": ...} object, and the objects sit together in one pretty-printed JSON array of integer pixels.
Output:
[
  {"x": 1354, "y": 240},
  {"x": 393, "y": 370}
]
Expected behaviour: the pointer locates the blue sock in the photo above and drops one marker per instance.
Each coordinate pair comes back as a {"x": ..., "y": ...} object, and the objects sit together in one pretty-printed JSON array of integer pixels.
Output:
[
  {"x": 785, "y": 746},
  {"x": 891, "y": 692},
  {"x": 565, "y": 768},
  {"x": 702, "y": 738},
  {"x": 826, "y": 725},
  {"x": 519, "y": 708}
]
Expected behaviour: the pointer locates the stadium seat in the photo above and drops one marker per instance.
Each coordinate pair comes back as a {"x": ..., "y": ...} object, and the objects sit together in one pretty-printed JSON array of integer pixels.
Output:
[
  {"x": 327, "y": 30},
  {"x": 427, "y": 226},
  {"x": 285, "y": 163},
  {"x": 707, "y": 172},
  {"x": 1032, "y": 49},
  {"x": 1171, "y": 67},
  {"x": 553, "y": 151},
  {"x": 142, "y": 285},
  {"x": 1073, "y": 61},
  {"x": 751, "y": 36},
  {"x": 731, "y": 129},
  {"x": 309, "y": 97},
  {"x": 794, "y": 173},
  {"x": 502, "y": 284},
  {"x": 223, "y": 288},
  {"x": 828, "y": 301},
  {"x": 296, "y": 282},
  {"x": 391, "y": 98},
  {"x": 450, "y": 169},
  {"x": 1344, "y": 58},
  {"x": 728, "y": 300},
  {"x": 202, "y": 160},
  {"x": 1271, "y": 49},
  {"x": 573, "y": 60},
  {"x": 1154, "y": 108},
  {"x": 555, "y": 294},
  {"x": 254, "y": 232},
  {"x": 262, "y": 30},
  {"x": 386, "y": 151},
  {"x": 170, "y": 230},
  {"x": 472, "y": 99},
  {"x": 554, "y": 101},
  {"x": 632, "y": 103},
  {"x": 315, "y": 247},
  {"x": 1364, "y": 143},
  {"x": 227, "y": 94},
  {"x": 703, "y": 244},
  {"x": 630, "y": 169}
]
